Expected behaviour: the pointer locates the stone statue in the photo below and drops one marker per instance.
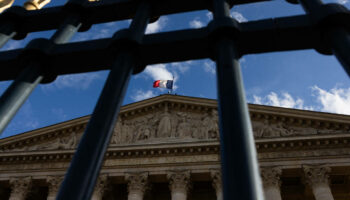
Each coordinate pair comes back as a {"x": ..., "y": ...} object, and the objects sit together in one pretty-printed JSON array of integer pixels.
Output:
[
  {"x": 184, "y": 128},
  {"x": 117, "y": 132},
  {"x": 164, "y": 127},
  {"x": 144, "y": 133},
  {"x": 210, "y": 128}
]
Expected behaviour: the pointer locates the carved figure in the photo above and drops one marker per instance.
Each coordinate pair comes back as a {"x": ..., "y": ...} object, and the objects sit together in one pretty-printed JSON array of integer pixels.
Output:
[
  {"x": 210, "y": 128},
  {"x": 164, "y": 127},
  {"x": 144, "y": 133},
  {"x": 117, "y": 132}
]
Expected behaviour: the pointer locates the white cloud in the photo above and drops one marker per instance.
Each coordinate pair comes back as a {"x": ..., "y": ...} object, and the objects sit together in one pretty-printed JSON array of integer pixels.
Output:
[
  {"x": 285, "y": 100},
  {"x": 209, "y": 67},
  {"x": 73, "y": 81},
  {"x": 159, "y": 72},
  {"x": 96, "y": 32},
  {"x": 336, "y": 100},
  {"x": 13, "y": 44},
  {"x": 23, "y": 121},
  {"x": 209, "y": 15},
  {"x": 59, "y": 113},
  {"x": 157, "y": 26},
  {"x": 141, "y": 95},
  {"x": 196, "y": 23},
  {"x": 182, "y": 67},
  {"x": 342, "y": 1},
  {"x": 238, "y": 16}
]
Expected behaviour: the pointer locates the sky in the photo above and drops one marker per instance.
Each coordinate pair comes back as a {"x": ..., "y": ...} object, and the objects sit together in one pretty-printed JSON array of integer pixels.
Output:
[{"x": 294, "y": 79}]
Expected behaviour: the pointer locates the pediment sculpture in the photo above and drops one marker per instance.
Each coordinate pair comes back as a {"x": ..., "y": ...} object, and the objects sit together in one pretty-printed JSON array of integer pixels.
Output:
[{"x": 163, "y": 126}]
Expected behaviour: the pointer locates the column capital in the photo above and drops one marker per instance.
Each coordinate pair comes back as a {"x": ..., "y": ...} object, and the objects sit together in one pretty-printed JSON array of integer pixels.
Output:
[
  {"x": 137, "y": 182},
  {"x": 216, "y": 177},
  {"x": 217, "y": 182},
  {"x": 101, "y": 186},
  {"x": 271, "y": 176},
  {"x": 315, "y": 175},
  {"x": 179, "y": 181},
  {"x": 20, "y": 187},
  {"x": 54, "y": 184}
]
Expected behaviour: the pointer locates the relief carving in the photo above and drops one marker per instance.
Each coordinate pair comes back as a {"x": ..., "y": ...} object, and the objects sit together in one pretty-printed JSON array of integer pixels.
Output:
[
  {"x": 68, "y": 142},
  {"x": 65, "y": 142},
  {"x": 165, "y": 125},
  {"x": 266, "y": 129}
]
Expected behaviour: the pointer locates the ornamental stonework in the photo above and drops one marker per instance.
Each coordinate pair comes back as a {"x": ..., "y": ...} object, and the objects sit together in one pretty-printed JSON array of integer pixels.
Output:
[{"x": 169, "y": 122}]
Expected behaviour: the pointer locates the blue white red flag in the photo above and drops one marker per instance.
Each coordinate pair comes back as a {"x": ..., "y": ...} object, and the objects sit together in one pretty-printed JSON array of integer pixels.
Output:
[{"x": 163, "y": 84}]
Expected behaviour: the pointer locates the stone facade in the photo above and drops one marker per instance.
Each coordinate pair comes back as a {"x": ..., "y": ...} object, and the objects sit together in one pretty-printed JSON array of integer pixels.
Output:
[{"x": 168, "y": 147}]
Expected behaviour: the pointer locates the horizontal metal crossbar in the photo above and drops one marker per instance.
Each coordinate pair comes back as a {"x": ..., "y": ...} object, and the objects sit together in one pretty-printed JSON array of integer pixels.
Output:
[
  {"x": 97, "y": 12},
  {"x": 324, "y": 28},
  {"x": 270, "y": 35}
]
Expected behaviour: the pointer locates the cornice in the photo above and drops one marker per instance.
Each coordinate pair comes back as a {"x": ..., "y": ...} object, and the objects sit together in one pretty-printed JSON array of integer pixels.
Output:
[
  {"x": 121, "y": 152},
  {"x": 297, "y": 144},
  {"x": 301, "y": 118}
]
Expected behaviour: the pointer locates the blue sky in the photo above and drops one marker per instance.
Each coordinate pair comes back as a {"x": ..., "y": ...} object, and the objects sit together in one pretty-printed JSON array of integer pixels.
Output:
[{"x": 295, "y": 79}]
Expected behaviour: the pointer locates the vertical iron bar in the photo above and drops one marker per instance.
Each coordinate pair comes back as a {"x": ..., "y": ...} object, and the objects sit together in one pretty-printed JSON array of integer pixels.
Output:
[
  {"x": 17, "y": 93},
  {"x": 6, "y": 33},
  {"x": 240, "y": 174},
  {"x": 338, "y": 37},
  {"x": 81, "y": 177}
]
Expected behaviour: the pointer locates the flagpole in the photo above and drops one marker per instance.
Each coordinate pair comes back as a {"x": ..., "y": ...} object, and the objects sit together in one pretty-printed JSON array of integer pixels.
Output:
[{"x": 172, "y": 85}]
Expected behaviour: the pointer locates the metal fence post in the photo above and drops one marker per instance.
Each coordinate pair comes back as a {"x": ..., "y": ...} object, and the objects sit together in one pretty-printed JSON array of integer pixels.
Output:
[
  {"x": 240, "y": 175},
  {"x": 81, "y": 177}
]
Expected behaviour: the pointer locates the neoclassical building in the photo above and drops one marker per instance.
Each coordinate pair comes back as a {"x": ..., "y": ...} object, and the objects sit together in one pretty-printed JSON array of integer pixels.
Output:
[{"x": 167, "y": 147}]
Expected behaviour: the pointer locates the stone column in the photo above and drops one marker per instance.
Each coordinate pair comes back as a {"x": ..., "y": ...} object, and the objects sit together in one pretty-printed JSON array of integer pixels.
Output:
[
  {"x": 179, "y": 184},
  {"x": 100, "y": 187},
  {"x": 54, "y": 185},
  {"x": 271, "y": 182},
  {"x": 20, "y": 187},
  {"x": 137, "y": 185},
  {"x": 217, "y": 183},
  {"x": 318, "y": 178}
]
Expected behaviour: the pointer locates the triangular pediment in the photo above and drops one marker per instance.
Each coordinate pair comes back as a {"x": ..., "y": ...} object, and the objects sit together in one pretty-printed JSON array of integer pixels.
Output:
[{"x": 179, "y": 119}]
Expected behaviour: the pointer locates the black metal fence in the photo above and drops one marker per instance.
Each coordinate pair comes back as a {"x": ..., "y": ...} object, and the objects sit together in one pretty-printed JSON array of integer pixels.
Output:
[{"x": 325, "y": 28}]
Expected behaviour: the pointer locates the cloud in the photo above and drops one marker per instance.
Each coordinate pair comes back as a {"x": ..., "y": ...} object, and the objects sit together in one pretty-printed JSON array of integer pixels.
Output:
[
  {"x": 158, "y": 72},
  {"x": 209, "y": 15},
  {"x": 196, "y": 23},
  {"x": 59, "y": 113},
  {"x": 209, "y": 67},
  {"x": 141, "y": 95},
  {"x": 157, "y": 26},
  {"x": 285, "y": 100},
  {"x": 238, "y": 16},
  {"x": 182, "y": 67},
  {"x": 96, "y": 32},
  {"x": 14, "y": 44},
  {"x": 74, "y": 81},
  {"x": 336, "y": 100},
  {"x": 342, "y": 1},
  {"x": 23, "y": 121}
]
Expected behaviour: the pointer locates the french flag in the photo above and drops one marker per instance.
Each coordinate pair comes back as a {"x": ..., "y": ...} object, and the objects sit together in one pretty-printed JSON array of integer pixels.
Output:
[{"x": 163, "y": 84}]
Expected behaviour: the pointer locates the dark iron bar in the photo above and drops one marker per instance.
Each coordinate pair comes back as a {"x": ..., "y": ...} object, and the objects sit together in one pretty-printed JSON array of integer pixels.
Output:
[
  {"x": 338, "y": 37},
  {"x": 240, "y": 175},
  {"x": 81, "y": 177},
  {"x": 6, "y": 33},
  {"x": 18, "y": 92}
]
